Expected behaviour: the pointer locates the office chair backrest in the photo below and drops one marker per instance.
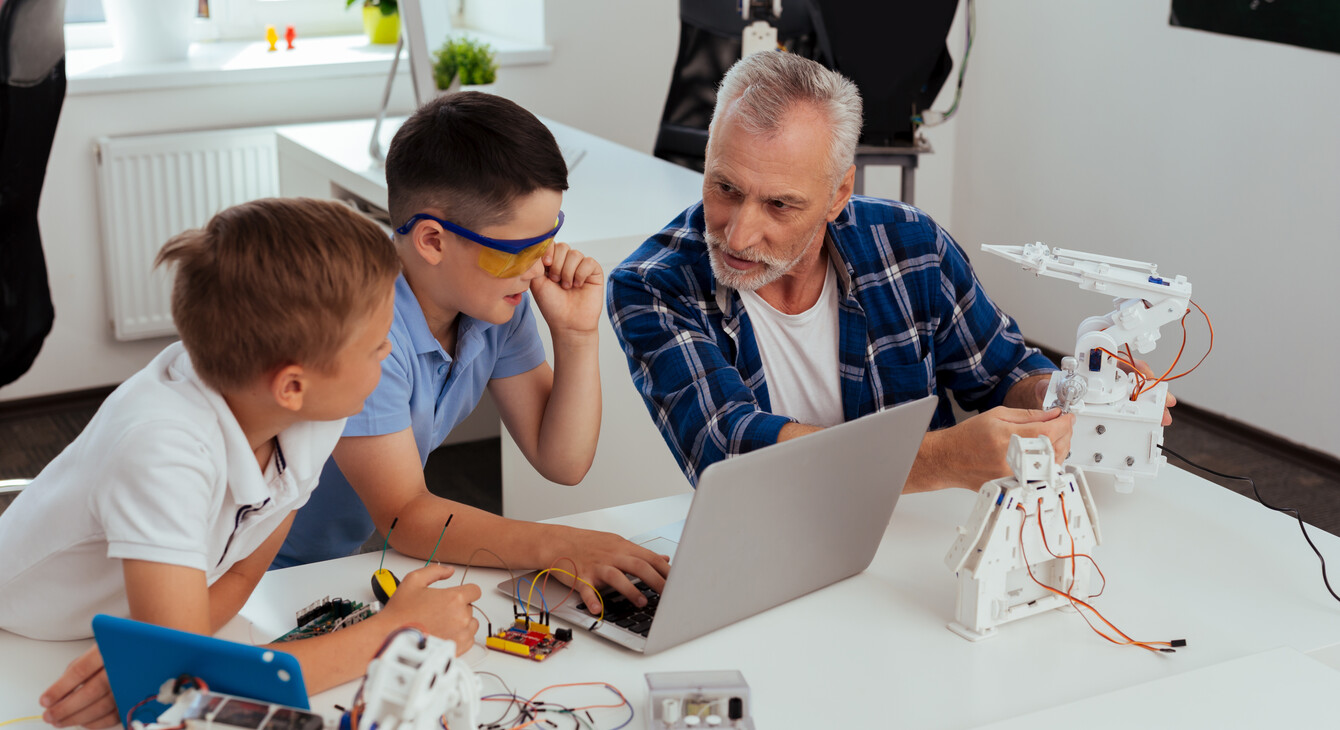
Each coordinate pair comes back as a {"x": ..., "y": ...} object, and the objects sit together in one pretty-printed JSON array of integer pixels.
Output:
[
  {"x": 709, "y": 43},
  {"x": 894, "y": 50},
  {"x": 32, "y": 89}
]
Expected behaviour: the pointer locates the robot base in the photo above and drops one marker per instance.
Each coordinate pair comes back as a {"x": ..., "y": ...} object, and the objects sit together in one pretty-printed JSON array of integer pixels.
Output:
[
  {"x": 970, "y": 634},
  {"x": 1014, "y": 557}
]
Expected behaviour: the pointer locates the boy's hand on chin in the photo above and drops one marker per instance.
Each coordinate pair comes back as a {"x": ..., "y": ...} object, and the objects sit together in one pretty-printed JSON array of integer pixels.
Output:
[{"x": 571, "y": 292}]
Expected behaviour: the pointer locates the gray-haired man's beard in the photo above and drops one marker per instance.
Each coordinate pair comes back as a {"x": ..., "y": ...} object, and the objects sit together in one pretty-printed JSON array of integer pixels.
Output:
[{"x": 773, "y": 268}]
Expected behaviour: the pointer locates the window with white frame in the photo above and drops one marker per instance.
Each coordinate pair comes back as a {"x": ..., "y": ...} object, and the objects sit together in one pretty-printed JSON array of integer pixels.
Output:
[
  {"x": 241, "y": 19},
  {"x": 521, "y": 20},
  {"x": 86, "y": 26}
]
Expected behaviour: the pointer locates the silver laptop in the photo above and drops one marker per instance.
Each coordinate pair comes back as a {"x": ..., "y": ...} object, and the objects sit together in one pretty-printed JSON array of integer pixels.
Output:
[{"x": 765, "y": 528}]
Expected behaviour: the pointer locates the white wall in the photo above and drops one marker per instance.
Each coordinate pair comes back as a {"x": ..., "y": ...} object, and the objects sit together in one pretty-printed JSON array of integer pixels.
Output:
[
  {"x": 609, "y": 75},
  {"x": 1096, "y": 126},
  {"x": 610, "y": 70}
]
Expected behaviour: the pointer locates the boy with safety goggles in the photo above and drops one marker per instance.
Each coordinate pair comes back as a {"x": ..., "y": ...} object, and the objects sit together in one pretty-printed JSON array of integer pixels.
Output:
[{"x": 476, "y": 185}]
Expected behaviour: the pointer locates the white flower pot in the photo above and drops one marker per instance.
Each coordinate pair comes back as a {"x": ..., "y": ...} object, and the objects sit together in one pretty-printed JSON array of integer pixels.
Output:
[
  {"x": 457, "y": 86},
  {"x": 151, "y": 31}
]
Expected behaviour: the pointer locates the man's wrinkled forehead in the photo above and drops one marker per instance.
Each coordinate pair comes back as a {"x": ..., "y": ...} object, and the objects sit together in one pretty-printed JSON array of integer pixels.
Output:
[
  {"x": 740, "y": 116},
  {"x": 787, "y": 155}
]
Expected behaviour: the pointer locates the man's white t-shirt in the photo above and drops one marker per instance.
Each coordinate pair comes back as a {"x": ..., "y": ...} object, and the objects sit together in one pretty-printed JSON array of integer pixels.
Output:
[
  {"x": 163, "y": 473},
  {"x": 800, "y": 356}
]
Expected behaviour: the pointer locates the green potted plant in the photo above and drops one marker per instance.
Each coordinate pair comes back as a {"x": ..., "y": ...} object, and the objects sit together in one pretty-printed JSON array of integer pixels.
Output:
[
  {"x": 381, "y": 20},
  {"x": 464, "y": 61}
]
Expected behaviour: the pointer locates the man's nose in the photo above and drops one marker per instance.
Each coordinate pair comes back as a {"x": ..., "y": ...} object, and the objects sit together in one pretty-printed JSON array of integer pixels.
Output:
[{"x": 745, "y": 229}]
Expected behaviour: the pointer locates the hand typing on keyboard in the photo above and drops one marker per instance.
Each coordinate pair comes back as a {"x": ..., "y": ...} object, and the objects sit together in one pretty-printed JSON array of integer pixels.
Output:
[
  {"x": 624, "y": 573},
  {"x": 622, "y": 612}
]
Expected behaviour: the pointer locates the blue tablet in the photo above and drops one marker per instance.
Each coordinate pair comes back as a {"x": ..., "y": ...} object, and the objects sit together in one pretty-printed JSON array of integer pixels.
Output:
[{"x": 139, "y": 657}]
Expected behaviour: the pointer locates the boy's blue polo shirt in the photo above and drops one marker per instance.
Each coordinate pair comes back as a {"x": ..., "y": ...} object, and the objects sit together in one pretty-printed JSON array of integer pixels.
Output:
[{"x": 424, "y": 388}]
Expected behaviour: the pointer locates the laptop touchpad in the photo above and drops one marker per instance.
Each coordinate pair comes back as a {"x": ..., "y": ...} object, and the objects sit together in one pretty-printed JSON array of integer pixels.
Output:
[{"x": 659, "y": 545}]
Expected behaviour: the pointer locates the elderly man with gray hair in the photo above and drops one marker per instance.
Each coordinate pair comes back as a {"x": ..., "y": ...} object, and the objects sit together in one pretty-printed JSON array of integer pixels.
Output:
[{"x": 782, "y": 304}]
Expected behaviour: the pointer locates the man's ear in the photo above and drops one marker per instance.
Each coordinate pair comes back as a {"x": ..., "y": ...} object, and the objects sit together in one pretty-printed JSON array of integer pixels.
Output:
[
  {"x": 843, "y": 194},
  {"x": 429, "y": 242},
  {"x": 288, "y": 386}
]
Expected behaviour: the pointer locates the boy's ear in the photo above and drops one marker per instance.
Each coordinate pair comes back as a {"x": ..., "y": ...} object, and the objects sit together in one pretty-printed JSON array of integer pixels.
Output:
[
  {"x": 429, "y": 241},
  {"x": 288, "y": 386}
]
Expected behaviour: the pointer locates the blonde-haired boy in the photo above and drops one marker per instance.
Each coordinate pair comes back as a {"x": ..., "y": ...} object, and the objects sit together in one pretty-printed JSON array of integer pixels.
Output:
[{"x": 171, "y": 504}]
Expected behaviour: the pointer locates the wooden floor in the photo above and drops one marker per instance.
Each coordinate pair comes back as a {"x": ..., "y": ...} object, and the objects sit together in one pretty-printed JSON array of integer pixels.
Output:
[{"x": 472, "y": 473}]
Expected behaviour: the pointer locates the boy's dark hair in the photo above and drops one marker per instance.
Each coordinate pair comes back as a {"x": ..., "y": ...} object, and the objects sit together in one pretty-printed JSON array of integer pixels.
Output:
[
  {"x": 469, "y": 155},
  {"x": 275, "y": 282}
]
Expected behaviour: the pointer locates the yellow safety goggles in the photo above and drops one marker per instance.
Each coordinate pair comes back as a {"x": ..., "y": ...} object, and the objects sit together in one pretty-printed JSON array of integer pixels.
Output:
[{"x": 502, "y": 258}]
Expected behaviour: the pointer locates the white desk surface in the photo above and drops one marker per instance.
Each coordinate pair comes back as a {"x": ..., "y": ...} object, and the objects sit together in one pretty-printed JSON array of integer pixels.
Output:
[
  {"x": 1277, "y": 688},
  {"x": 1184, "y": 559}
]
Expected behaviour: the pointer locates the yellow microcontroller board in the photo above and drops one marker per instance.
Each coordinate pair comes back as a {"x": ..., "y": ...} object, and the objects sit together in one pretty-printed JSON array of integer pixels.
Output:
[{"x": 529, "y": 639}]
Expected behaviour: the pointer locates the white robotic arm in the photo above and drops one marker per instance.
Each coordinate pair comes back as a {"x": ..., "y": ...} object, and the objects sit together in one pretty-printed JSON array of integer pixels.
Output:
[{"x": 1118, "y": 426}]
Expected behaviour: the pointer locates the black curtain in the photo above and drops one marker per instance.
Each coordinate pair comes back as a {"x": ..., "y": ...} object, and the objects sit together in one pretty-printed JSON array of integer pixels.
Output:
[{"x": 29, "y": 110}]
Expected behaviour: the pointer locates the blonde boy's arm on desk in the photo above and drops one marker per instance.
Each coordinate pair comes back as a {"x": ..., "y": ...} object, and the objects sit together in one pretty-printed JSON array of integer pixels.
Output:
[
  {"x": 178, "y": 597},
  {"x": 337, "y": 658},
  {"x": 174, "y": 596},
  {"x": 386, "y": 473}
]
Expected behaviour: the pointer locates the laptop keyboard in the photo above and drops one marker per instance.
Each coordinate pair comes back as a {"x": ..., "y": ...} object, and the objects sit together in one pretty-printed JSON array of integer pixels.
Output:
[{"x": 621, "y": 612}]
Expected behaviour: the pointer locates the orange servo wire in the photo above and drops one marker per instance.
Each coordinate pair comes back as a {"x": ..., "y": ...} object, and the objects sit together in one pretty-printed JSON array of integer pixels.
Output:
[
  {"x": 1065, "y": 517},
  {"x": 1143, "y": 383},
  {"x": 1076, "y": 602},
  {"x": 1140, "y": 377},
  {"x": 606, "y": 685},
  {"x": 1208, "y": 350}
]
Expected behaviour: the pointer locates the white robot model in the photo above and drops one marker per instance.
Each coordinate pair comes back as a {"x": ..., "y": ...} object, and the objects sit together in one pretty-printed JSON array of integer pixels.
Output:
[
  {"x": 418, "y": 683},
  {"x": 1115, "y": 433},
  {"x": 1004, "y": 541}
]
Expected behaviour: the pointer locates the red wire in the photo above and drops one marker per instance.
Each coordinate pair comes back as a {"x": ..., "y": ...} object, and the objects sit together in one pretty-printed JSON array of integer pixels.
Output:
[
  {"x": 131, "y": 713},
  {"x": 583, "y": 708},
  {"x": 571, "y": 588}
]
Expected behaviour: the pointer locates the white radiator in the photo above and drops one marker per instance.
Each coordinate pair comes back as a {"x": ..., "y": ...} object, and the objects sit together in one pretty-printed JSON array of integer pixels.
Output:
[{"x": 151, "y": 188}]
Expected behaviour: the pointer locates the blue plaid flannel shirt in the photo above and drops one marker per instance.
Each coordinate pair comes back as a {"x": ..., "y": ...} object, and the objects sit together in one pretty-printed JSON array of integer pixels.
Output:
[{"x": 914, "y": 321}]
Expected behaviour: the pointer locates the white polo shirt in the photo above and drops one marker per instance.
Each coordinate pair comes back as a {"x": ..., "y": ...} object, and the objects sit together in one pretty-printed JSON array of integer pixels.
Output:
[{"x": 162, "y": 473}]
